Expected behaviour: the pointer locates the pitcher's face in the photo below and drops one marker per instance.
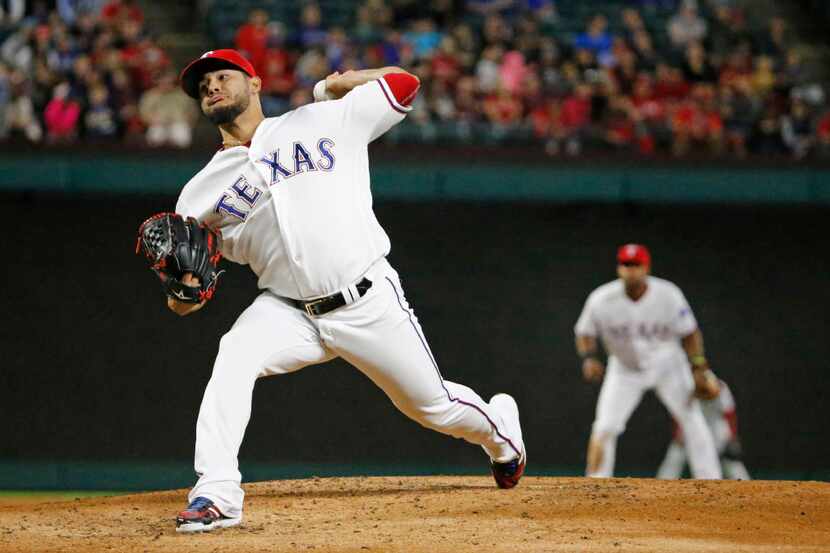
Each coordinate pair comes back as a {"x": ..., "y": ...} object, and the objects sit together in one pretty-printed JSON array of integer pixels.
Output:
[{"x": 224, "y": 95}]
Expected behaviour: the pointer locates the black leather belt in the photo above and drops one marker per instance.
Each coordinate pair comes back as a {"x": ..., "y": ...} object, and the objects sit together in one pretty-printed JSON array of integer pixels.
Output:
[{"x": 321, "y": 306}]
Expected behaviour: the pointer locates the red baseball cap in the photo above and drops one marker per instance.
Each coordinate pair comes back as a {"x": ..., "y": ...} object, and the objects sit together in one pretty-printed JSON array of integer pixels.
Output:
[
  {"x": 633, "y": 253},
  {"x": 212, "y": 60}
]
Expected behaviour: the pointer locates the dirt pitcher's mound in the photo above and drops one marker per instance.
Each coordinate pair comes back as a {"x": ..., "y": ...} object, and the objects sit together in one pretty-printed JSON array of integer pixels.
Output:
[{"x": 449, "y": 514}]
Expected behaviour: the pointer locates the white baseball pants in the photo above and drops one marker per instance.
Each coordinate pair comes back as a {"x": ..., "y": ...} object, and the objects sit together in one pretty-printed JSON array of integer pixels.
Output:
[
  {"x": 379, "y": 334},
  {"x": 675, "y": 459},
  {"x": 621, "y": 393}
]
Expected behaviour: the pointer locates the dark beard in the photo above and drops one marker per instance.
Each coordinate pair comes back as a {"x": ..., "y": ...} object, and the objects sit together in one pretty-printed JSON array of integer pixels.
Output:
[{"x": 227, "y": 114}]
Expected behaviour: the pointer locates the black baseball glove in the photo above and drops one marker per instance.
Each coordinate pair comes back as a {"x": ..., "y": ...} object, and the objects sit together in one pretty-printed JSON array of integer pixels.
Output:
[{"x": 175, "y": 246}]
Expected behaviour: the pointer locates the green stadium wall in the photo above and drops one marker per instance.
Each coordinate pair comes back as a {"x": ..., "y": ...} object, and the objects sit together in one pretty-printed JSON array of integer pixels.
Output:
[{"x": 606, "y": 183}]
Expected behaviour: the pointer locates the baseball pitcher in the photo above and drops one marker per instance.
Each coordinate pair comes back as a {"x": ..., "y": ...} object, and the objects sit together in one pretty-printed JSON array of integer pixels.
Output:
[
  {"x": 290, "y": 197},
  {"x": 653, "y": 343}
]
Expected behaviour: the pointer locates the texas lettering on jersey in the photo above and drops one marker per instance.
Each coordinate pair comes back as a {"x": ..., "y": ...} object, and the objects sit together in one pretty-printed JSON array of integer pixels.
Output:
[
  {"x": 300, "y": 160},
  {"x": 644, "y": 331},
  {"x": 239, "y": 200}
]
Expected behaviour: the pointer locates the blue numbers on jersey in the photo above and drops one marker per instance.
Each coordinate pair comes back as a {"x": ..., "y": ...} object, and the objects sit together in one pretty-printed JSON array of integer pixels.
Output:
[{"x": 302, "y": 159}]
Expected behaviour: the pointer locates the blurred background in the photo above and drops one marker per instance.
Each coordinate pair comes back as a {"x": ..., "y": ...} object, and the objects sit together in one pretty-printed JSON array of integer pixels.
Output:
[{"x": 546, "y": 134}]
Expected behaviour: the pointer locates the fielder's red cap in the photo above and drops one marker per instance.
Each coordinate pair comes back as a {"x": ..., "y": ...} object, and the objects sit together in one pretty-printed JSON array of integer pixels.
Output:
[
  {"x": 633, "y": 253},
  {"x": 213, "y": 60}
]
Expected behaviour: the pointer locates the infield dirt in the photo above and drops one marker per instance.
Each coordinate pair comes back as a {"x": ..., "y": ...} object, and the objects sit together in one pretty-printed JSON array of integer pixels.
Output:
[{"x": 452, "y": 514}]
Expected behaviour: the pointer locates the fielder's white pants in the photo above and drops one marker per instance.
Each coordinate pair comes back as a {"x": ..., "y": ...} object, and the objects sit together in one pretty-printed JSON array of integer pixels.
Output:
[
  {"x": 675, "y": 459},
  {"x": 621, "y": 393},
  {"x": 379, "y": 334}
]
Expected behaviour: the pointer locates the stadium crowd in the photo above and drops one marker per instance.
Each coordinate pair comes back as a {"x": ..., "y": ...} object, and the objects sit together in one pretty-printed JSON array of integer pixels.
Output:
[
  {"x": 87, "y": 70},
  {"x": 701, "y": 80}
]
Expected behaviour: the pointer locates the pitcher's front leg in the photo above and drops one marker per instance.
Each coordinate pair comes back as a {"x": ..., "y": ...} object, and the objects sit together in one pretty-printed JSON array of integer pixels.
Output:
[{"x": 381, "y": 336}]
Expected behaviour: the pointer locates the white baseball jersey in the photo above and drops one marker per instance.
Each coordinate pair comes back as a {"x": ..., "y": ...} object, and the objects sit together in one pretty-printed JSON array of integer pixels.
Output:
[
  {"x": 643, "y": 334},
  {"x": 306, "y": 174}
]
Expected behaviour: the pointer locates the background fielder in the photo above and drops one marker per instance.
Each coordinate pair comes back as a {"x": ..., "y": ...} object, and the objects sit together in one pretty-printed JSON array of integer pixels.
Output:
[
  {"x": 290, "y": 197},
  {"x": 722, "y": 419},
  {"x": 651, "y": 336}
]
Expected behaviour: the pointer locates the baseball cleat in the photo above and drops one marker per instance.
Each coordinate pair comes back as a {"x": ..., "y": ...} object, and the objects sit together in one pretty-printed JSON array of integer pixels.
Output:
[
  {"x": 508, "y": 474},
  {"x": 203, "y": 516}
]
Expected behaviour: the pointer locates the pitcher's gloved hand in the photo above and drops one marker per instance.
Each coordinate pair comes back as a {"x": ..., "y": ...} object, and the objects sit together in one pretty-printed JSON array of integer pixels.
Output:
[{"x": 182, "y": 253}]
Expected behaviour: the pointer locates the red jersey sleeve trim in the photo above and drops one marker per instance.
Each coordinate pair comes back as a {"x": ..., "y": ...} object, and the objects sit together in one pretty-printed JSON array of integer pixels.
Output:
[{"x": 400, "y": 89}]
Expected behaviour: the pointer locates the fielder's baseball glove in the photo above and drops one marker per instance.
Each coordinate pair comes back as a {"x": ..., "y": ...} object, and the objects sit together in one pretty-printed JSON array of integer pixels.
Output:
[{"x": 175, "y": 246}]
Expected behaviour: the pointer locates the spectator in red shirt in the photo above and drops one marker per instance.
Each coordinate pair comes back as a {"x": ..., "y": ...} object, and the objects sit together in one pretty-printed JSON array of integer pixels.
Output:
[
  {"x": 278, "y": 81},
  {"x": 545, "y": 121},
  {"x": 115, "y": 12},
  {"x": 670, "y": 84},
  {"x": 823, "y": 136},
  {"x": 575, "y": 118},
  {"x": 650, "y": 114},
  {"x": 445, "y": 64},
  {"x": 146, "y": 61},
  {"x": 696, "y": 121},
  {"x": 61, "y": 115},
  {"x": 576, "y": 109},
  {"x": 252, "y": 38},
  {"x": 276, "y": 74},
  {"x": 650, "y": 108},
  {"x": 503, "y": 110}
]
